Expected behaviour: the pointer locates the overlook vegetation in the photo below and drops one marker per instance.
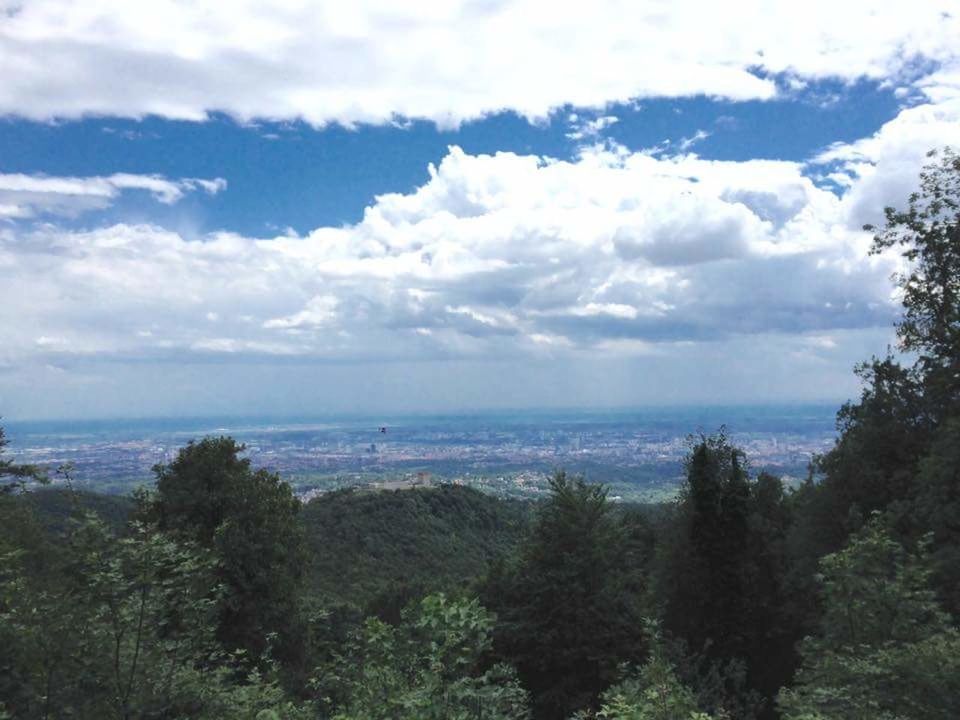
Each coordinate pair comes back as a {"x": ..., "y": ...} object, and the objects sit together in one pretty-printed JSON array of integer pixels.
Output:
[
  {"x": 218, "y": 595},
  {"x": 374, "y": 549}
]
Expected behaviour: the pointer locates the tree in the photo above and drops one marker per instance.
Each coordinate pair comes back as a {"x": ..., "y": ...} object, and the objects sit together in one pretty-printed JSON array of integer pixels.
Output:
[
  {"x": 570, "y": 603},
  {"x": 893, "y": 453},
  {"x": 432, "y": 666},
  {"x": 149, "y": 603},
  {"x": 716, "y": 499},
  {"x": 884, "y": 436},
  {"x": 719, "y": 577},
  {"x": 929, "y": 232},
  {"x": 937, "y": 510},
  {"x": 19, "y": 472},
  {"x": 96, "y": 624},
  {"x": 210, "y": 495},
  {"x": 885, "y": 647},
  {"x": 28, "y": 564},
  {"x": 654, "y": 692},
  {"x": 881, "y": 439},
  {"x": 111, "y": 627}
]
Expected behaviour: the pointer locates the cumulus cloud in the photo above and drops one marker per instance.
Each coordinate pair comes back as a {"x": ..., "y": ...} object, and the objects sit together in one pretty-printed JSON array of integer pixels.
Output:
[
  {"x": 379, "y": 60},
  {"x": 26, "y": 196},
  {"x": 881, "y": 170},
  {"x": 494, "y": 256}
]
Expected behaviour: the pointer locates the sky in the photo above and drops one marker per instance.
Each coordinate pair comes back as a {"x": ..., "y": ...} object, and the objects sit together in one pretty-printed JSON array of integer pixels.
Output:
[{"x": 302, "y": 208}]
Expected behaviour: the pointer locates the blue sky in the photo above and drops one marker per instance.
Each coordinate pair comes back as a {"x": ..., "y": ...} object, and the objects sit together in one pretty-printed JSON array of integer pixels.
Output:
[
  {"x": 469, "y": 205},
  {"x": 290, "y": 174}
]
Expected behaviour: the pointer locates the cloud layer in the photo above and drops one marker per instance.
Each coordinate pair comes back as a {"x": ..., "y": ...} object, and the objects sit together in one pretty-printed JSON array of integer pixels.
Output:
[
  {"x": 448, "y": 62},
  {"x": 494, "y": 256}
]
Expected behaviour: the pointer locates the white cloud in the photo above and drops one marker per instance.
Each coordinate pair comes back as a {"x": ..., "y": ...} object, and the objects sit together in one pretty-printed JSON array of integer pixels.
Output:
[
  {"x": 619, "y": 310},
  {"x": 589, "y": 128},
  {"x": 882, "y": 169},
  {"x": 688, "y": 142},
  {"x": 319, "y": 311},
  {"x": 378, "y": 60},
  {"x": 25, "y": 196},
  {"x": 494, "y": 256}
]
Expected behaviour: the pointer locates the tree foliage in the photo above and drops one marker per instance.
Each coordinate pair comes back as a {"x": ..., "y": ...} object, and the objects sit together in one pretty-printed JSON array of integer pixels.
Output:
[
  {"x": 719, "y": 577},
  {"x": 653, "y": 692},
  {"x": 570, "y": 603},
  {"x": 210, "y": 495},
  {"x": 377, "y": 551},
  {"x": 885, "y": 647},
  {"x": 116, "y": 627},
  {"x": 432, "y": 666},
  {"x": 895, "y": 452},
  {"x": 929, "y": 233},
  {"x": 13, "y": 476},
  {"x": 96, "y": 624}
]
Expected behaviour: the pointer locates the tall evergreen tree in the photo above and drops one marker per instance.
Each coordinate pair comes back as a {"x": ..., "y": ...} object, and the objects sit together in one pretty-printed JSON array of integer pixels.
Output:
[
  {"x": 569, "y": 605},
  {"x": 705, "y": 593},
  {"x": 719, "y": 575}
]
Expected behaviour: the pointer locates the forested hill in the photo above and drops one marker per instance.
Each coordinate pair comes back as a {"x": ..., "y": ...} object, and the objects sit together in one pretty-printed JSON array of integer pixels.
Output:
[
  {"x": 373, "y": 550},
  {"x": 54, "y": 506},
  {"x": 372, "y": 546}
]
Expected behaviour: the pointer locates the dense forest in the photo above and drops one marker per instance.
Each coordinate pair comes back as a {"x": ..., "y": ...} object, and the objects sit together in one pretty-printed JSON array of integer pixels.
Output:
[{"x": 218, "y": 595}]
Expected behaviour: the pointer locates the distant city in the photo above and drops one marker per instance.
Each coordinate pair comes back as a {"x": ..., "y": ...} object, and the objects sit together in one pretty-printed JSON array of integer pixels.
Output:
[{"x": 638, "y": 454}]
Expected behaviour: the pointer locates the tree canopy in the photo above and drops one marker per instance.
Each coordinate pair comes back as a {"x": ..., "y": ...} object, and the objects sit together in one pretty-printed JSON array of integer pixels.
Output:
[{"x": 210, "y": 495}]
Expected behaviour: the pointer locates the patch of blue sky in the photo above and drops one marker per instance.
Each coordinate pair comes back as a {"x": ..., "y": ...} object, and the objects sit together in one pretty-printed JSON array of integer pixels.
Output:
[{"x": 291, "y": 175}]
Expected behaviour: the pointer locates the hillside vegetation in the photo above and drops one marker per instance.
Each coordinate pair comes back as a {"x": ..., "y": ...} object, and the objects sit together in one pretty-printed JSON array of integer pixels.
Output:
[
  {"x": 55, "y": 506},
  {"x": 364, "y": 548},
  {"x": 369, "y": 547}
]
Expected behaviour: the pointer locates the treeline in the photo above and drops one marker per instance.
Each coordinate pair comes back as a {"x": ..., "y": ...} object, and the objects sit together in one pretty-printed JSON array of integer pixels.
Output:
[{"x": 221, "y": 596}]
